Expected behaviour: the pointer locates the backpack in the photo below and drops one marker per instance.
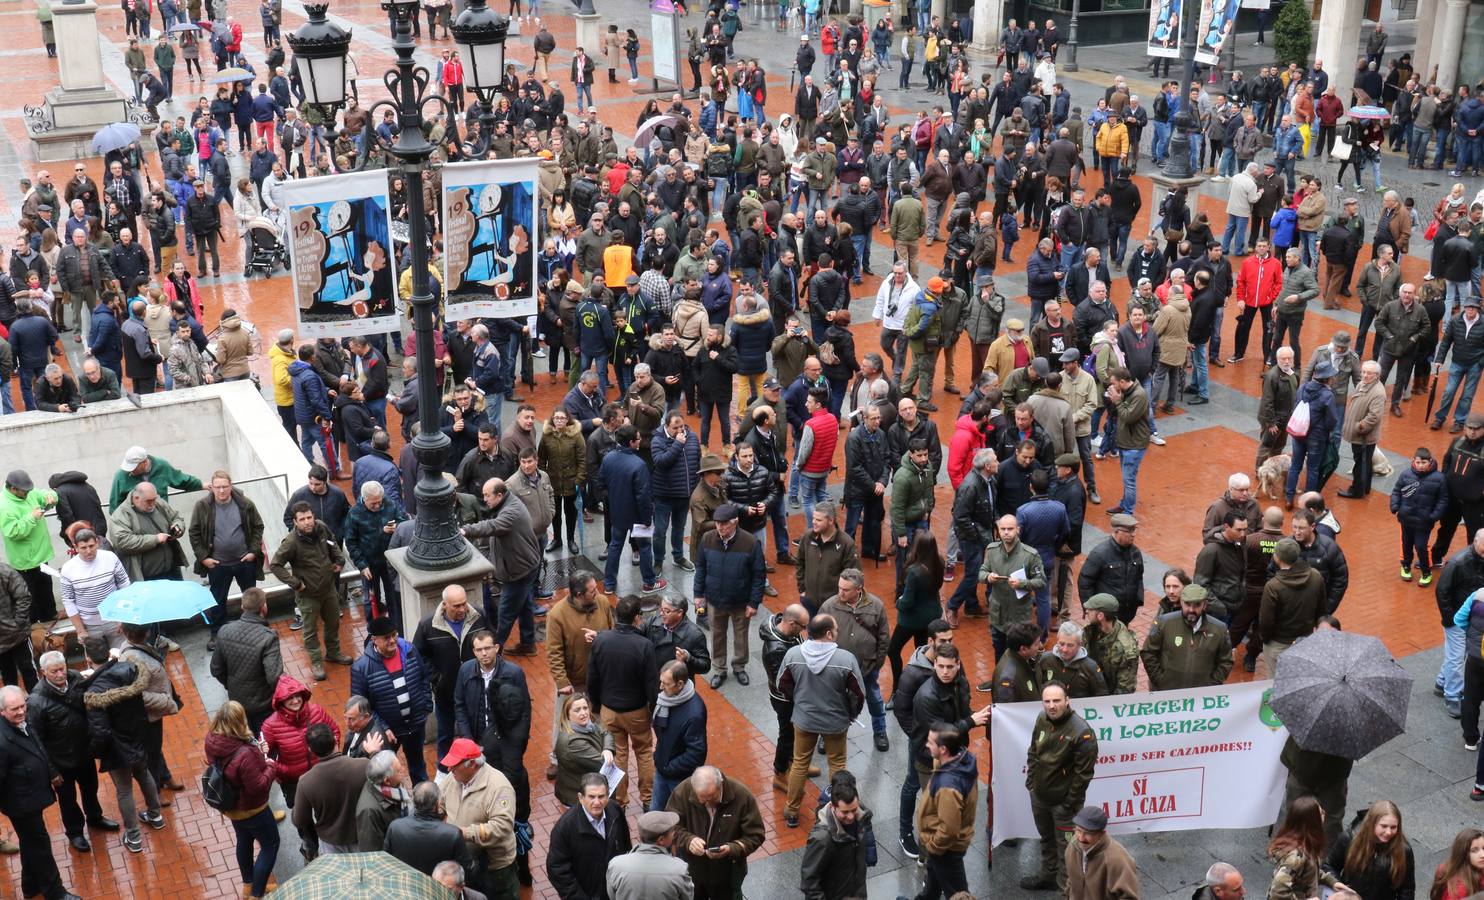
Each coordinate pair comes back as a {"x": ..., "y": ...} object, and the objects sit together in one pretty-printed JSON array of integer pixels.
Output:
[{"x": 219, "y": 793}]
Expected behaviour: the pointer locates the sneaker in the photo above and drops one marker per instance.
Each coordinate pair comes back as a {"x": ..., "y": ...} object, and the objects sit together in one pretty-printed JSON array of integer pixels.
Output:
[
  {"x": 1156, "y": 440},
  {"x": 1471, "y": 747},
  {"x": 152, "y": 819},
  {"x": 134, "y": 841},
  {"x": 910, "y": 848},
  {"x": 538, "y": 354},
  {"x": 683, "y": 563},
  {"x": 1406, "y": 574},
  {"x": 654, "y": 587},
  {"x": 1425, "y": 580},
  {"x": 1477, "y": 793},
  {"x": 298, "y": 623}
]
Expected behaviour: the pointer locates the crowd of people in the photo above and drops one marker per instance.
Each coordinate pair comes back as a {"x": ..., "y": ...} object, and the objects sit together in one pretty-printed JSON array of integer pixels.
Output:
[{"x": 683, "y": 281}]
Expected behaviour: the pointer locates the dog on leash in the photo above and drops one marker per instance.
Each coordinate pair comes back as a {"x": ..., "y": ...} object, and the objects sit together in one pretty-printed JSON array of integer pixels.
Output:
[{"x": 1272, "y": 474}]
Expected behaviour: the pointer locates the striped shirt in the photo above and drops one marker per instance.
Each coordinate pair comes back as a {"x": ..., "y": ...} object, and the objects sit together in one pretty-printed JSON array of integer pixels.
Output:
[{"x": 86, "y": 584}]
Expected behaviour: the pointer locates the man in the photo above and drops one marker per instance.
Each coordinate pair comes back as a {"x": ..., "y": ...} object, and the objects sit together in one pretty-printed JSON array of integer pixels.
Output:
[
  {"x": 1292, "y": 602},
  {"x": 142, "y": 356},
  {"x": 824, "y": 683},
  {"x": 1187, "y": 648},
  {"x": 862, "y": 630},
  {"x": 444, "y": 638},
  {"x": 1098, "y": 866},
  {"x": 138, "y": 466},
  {"x": 625, "y": 479},
  {"x": 28, "y": 778},
  {"x": 623, "y": 684},
  {"x": 492, "y": 706},
  {"x": 28, "y": 546},
  {"x": 145, "y": 533},
  {"x": 247, "y": 660},
  {"x": 571, "y": 626},
  {"x": 1467, "y": 364},
  {"x": 1014, "y": 573},
  {"x": 327, "y": 797},
  {"x": 1279, "y": 393},
  {"x": 485, "y": 460},
  {"x": 590, "y": 834},
  {"x": 227, "y": 540},
  {"x": 204, "y": 221},
  {"x": 674, "y": 635},
  {"x": 1223, "y": 882},
  {"x": 730, "y": 573},
  {"x": 309, "y": 561},
  {"x": 99, "y": 384},
  {"x": 1323, "y": 553},
  {"x": 510, "y": 544},
  {"x": 720, "y": 826},
  {"x": 423, "y": 840},
  {"x": 1221, "y": 565},
  {"x": 57, "y": 719},
  {"x": 912, "y": 502},
  {"x": 650, "y": 871},
  {"x": 1465, "y": 485},
  {"x": 676, "y": 454},
  {"x": 1116, "y": 567},
  {"x": 1067, "y": 663},
  {"x": 392, "y": 676},
  {"x": 1258, "y": 283},
  {"x": 1463, "y": 574},
  {"x": 834, "y": 863},
  {"x": 1059, "y": 767},
  {"x": 1111, "y": 644},
  {"x": 159, "y": 700},
  {"x": 1400, "y": 328},
  {"x": 924, "y": 331},
  {"x": 117, "y": 725},
  {"x": 381, "y": 802},
  {"x": 945, "y": 814},
  {"x": 974, "y": 526},
  {"x": 679, "y": 730},
  {"x": 779, "y": 634},
  {"x": 480, "y": 801},
  {"x": 1134, "y": 433},
  {"x": 82, "y": 273},
  {"x": 824, "y": 553}
]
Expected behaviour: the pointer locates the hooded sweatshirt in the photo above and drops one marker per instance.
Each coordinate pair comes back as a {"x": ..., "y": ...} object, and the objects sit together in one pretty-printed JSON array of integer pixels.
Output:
[
  {"x": 284, "y": 730},
  {"x": 824, "y": 682}
]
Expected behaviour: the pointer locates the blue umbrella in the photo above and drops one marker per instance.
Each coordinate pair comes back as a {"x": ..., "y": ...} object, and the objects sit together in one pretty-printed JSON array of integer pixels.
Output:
[
  {"x": 148, "y": 602},
  {"x": 115, "y": 137}
]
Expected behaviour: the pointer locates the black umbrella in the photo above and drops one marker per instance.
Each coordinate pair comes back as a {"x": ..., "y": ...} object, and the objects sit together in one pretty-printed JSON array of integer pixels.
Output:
[{"x": 1341, "y": 693}]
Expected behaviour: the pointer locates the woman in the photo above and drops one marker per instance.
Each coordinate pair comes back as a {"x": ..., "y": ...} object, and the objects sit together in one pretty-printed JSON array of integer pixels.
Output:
[
  {"x": 190, "y": 51},
  {"x": 1175, "y": 581},
  {"x": 582, "y": 746},
  {"x": 1174, "y": 218},
  {"x": 919, "y": 603},
  {"x": 1375, "y": 859},
  {"x": 837, "y": 354},
  {"x": 716, "y": 292},
  {"x": 562, "y": 455},
  {"x": 1462, "y": 874},
  {"x": 613, "y": 50},
  {"x": 559, "y": 213},
  {"x": 51, "y": 251},
  {"x": 229, "y": 746},
  {"x": 284, "y": 733},
  {"x": 788, "y": 136},
  {"x": 1295, "y": 851},
  {"x": 181, "y": 285},
  {"x": 631, "y": 50}
]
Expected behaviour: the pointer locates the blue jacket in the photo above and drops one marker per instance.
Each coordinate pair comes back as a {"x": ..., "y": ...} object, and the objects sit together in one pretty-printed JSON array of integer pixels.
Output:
[
  {"x": 1286, "y": 142},
  {"x": 594, "y": 328},
  {"x": 106, "y": 341},
  {"x": 32, "y": 337},
  {"x": 716, "y": 296},
  {"x": 1285, "y": 223},
  {"x": 265, "y": 108},
  {"x": 1470, "y": 115},
  {"x": 1044, "y": 525},
  {"x": 583, "y": 409},
  {"x": 793, "y": 402},
  {"x": 677, "y": 465},
  {"x": 1040, "y": 276},
  {"x": 752, "y": 336},
  {"x": 370, "y": 679},
  {"x": 730, "y": 576},
  {"x": 365, "y": 541},
  {"x": 1322, "y": 413},
  {"x": 1419, "y": 498},
  {"x": 486, "y": 372},
  {"x": 374, "y": 466},
  {"x": 1470, "y": 616},
  {"x": 708, "y": 119},
  {"x": 680, "y": 738},
  {"x": 310, "y": 397},
  {"x": 625, "y": 477},
  {"x": 242, "y": 109}
]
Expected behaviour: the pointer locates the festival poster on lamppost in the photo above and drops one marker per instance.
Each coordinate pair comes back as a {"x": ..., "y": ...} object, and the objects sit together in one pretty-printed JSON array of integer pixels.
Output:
[
  {"x": 340, "y": 254},
  {"x": 1218, "y": 22},
  {"x": 489, "y": 250},
  {"x": 1165, "y": 26}
]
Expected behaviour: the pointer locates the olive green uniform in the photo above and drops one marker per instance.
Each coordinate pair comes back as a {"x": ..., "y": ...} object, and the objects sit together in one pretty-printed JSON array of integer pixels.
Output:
[
  {"x": 1015, "y": 679},
  {"x": 1117, "y": 654},
  {"x": 1005, "y": 608},
  {"x": 1058, "y": 769},
  {"x": 1082, "y": 676},
  {"x": 1177, "y": 657}
]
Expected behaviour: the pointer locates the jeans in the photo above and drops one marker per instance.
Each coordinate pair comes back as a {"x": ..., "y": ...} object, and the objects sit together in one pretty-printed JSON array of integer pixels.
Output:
[
  {"x": 1118, "y": 236},
  {"x": 1201, "y": 375},
  {"x": 945, "y": 876},
  {"x": 874, "y": 703},
  {"x": 670, "y": 514},
  {"x": 219, "y": 578},
  {"x": 967, "y": 592},
  {"x": 1196, "y": 142},
  {"x": 28, "y": 378},
  {"x": 1236, "y": 233},
  {"x": 1454, "y": 294},
  {"x": 601, "y": 359},
  {"x": 1071, "y": 254},
  {"x": 1306, "y": 451},
  {"x": 1470, "y": 378},
  {"x": 662, "y": 788},
  {"x": 812, "y": 489},
  {"x": 1450, "y": 674},
  {"x": 411, "y": 743},
  {"x": 515, "y": 606},
  {"x": 1129, "y": 461},
  {"x": 1308, "y": 242},
  {"x": 1159, "y": 146},
  {"x": 862, "y": 253},
  {"x": 584, "y": 89},
  {"x": 868, "y": 514},
  {"x": 904, "y": 79},
  {"x": 1418, "y": 140},
  {"x": 262, "y": 830},
  {"x": 309, "y": 438},
  {"x": 615, "y": 553},
  {"x": 907, "y": 806}
]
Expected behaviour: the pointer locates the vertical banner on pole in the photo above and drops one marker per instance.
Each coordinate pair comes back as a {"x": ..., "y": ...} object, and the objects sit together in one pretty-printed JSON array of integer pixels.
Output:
[
  {"x": 340, "y": 254},
  {"x": 664, "y": 41},
  {"x": 1164, "y": 28},
  {"x": 1218, "y": 21},
  {"x": 489, "y": 249}
]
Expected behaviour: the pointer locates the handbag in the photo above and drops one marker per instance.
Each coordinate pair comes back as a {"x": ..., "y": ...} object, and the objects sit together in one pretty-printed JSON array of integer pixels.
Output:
[
  {"x": 1341, "y": 150},
  {"x": 1174, "y": 235},
  {"x": 1298, "y": 422},
  {"x": 1432, "y": 230}
]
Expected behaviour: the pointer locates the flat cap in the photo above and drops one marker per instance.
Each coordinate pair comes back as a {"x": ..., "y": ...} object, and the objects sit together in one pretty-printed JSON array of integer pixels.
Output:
[
  {"x": 1068, "y": 459},
  {"x": 726, "y": 512},
  {"x": 656, "y": 824},
  {"x": 1091, "y": 818},
  {"x": 1104, "y": 603},
  {"x": 1071, "y": 354},
  {"x": 1124, "y": 520}
]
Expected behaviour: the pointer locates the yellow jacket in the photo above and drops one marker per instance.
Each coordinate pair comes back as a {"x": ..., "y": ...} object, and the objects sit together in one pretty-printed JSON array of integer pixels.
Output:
[
  {"x": 1112, "y": 139},
  {"x": 283, "y": 387}
]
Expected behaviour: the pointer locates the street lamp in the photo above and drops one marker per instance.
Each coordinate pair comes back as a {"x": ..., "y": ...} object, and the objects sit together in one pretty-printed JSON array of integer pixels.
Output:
[
  {"x": 1071, "y": 64},
  {"x": 436, "y": 540},
  {"x": 479, "y": 33},
  {"x": 1177, "y": 162}
]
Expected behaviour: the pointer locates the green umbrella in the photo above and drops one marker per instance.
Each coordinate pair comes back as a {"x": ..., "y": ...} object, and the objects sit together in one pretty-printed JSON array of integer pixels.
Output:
[{"x": 360, "y": 876}]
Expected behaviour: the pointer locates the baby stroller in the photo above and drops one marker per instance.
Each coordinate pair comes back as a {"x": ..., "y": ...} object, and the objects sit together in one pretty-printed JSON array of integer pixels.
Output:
[{"x": 268, "y": 249}]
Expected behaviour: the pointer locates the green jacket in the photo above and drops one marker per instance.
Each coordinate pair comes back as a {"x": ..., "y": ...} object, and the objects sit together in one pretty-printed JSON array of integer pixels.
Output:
[
  {"x": 1060, "y": 761},
  {"x": 1117, "y": 654},
  {"x": 1176, "y": 657},
  {"x": 911, "y": 497},
  {"x": 1082, "y": 676},
  {"x": 908, "y": 221},
  {"x": 27, "y": 544},
  {"x": 1005, "y": 607},
  {"x": 164, "y": 57},
  {"x": 924, "y": 325},
  {"x": 203, "y": 531},
  {"x": 306, "y": 563},
  {"x": 1015, "y": 680},
  {"x": 132, "y": 534},
  {"x": 134, "y": 59},
  {"x": 161, "y": 474},
  {"x": 1133, "y": 420}
]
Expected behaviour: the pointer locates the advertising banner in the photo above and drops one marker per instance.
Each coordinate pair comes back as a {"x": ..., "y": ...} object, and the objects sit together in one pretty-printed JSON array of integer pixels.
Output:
[
  {"x": 663, "y": 32},
  {"x": 340, "y": 254},
  {"x": 489, "y": 248},
  {"x": 1164, "y": 28},
  {"x": 1218, "y": 21},
  {"x": 1167, "y": 760}
]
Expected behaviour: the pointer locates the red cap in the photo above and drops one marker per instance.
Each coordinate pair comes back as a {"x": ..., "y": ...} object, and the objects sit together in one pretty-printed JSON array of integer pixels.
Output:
[{"x": 462, "y": 750}]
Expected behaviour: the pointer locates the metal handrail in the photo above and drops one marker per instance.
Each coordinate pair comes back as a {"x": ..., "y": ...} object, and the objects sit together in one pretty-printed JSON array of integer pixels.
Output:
[{"x": 284, "y": 476}]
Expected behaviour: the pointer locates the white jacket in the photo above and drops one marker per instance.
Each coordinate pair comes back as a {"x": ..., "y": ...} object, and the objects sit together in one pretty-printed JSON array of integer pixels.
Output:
[{"x": 891, "y": 305}]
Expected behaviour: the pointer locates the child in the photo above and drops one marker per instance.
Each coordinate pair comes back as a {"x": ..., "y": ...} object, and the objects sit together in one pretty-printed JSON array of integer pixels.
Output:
[
  {"x": 1009, "y": 229},
  {"x": 625, "y": 350},
  {"x": 1418, "y": 501}
]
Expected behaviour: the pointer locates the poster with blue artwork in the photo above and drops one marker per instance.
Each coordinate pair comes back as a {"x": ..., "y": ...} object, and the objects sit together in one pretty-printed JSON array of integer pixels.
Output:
[
  {"x": 340, "y": 253},
  {"x": 489, "y": 216}
]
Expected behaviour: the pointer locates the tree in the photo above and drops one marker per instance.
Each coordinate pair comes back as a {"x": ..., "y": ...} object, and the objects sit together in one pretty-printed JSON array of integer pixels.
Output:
[{"x": 1293, "y": 34}]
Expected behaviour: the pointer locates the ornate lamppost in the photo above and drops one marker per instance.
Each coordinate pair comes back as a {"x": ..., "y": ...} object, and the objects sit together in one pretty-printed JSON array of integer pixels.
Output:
[
  {"x": 479, "y": 33},
  {"x": 1177, "y": 162},
  {"x": 320, "y": 49}
]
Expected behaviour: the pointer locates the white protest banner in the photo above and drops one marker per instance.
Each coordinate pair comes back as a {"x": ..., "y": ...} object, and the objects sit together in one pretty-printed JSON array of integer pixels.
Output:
[
  {"x": 340, "y": 253},
  {"x": 1167, "y": 760},
  {"x": 489, "y": 258}
]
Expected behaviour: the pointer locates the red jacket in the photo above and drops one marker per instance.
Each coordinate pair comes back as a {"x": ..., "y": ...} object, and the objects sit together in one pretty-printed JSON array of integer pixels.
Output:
[
  {"x": 235, "y": 44},
  {"x": 826, "y": 430},
  {"x": 193, "y": 302},
  {"x": 284, "y": 730},
  {"x": 967, "y": 440},
  {"x": 247, "y": 770},
  {"x": 1259, "y": 280}
]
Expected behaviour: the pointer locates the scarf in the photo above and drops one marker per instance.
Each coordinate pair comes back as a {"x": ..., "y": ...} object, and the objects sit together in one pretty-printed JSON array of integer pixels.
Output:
[{"x": 664, "y": 703}]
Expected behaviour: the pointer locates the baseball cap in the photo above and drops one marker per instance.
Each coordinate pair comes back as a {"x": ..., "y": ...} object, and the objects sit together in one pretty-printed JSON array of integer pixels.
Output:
[
  {"x": 771, "y": 384},
  {"x": 461, "y": 750},
  {"x": 133, "y": 457}
]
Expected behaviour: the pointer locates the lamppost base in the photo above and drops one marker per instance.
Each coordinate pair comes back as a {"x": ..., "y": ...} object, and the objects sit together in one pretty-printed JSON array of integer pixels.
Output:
[
  {"x": 422, "y": 589},
  {"x": 1170, "y": 183}
]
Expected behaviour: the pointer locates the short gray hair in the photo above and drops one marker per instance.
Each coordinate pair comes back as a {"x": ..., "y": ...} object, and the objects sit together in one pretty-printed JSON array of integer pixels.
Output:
[
  {"x": 52, "y": 657},
  {"x": 1070, "y": 629},
  {"x": 425, "y": 798},
  {"x": 983, "y": 456},
  {"x": 1219, "y": 873},
  {"x": 380, "y": 766},
  {"x": 372, "y": 489},
  {"x": 1238, "y": 482},
  {"x": 701, "y": 774},
  {"x": 52, "y": 369},
  {"x": 451, "y": 870},
  {"x": 358, "y": 703},
  {"x": 642, "y": 369},
  {"x": 854, "y": 576}
]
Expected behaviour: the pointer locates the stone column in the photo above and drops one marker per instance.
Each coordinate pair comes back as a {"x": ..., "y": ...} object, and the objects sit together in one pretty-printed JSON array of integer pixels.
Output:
[
  {"x": 422, "y": 589},
  {"x": 940, "y": 9},
  {"x": 590, "y": 34},
  {"x": 989, "y": 18},
  {"x": 1449, "y": 44},
  {"x": 1427, "y": 11},
  {"x": 1339, "y": 38},
  {"x": 1438, "y": 27},
  {"x": 79, "y": 61},
  {"x": 82, "y": 102}
]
